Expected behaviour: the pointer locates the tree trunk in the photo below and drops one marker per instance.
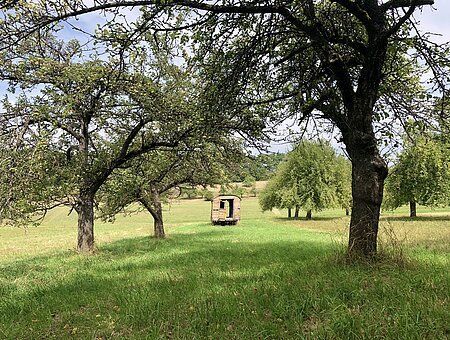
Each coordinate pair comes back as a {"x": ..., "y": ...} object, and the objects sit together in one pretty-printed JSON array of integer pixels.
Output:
[
  {"x": 158, "y": 225},
  {"x": 309, "y": 214},
  {"x": 289, "y": 213},
  {"x": 85, "y": 204},
  {"x": 412, "y": 209},
  {"x": 297, "y": 209},
  {"x": 85, "y": 210},
  {"x": 155, "y": 209},
  {"x": 368, "y": 174},
  {"x": 347, "y": 212}
]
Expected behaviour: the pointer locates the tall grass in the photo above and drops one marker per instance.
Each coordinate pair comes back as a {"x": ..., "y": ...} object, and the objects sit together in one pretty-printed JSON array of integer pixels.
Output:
[{"x": 268, "y": 277}]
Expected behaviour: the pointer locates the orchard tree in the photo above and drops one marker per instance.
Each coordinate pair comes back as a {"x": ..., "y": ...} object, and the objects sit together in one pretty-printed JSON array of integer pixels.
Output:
[
  {"x": 278, "y": 193},
  {"x": 82, "y": 121},
  {"x": 150, "y": 179},
  {"x": 311, "y": 178},
  {"x": 421, "y": 175},
  {"x": 348, "y": 62}
]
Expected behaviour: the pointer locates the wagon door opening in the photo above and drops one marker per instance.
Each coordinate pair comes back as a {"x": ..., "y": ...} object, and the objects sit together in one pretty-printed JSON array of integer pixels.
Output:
[{"x": 230, "y": 209}]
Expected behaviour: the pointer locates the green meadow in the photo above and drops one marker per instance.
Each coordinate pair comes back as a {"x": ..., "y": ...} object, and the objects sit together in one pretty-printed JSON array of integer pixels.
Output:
[{"x": 266, "y": 278}]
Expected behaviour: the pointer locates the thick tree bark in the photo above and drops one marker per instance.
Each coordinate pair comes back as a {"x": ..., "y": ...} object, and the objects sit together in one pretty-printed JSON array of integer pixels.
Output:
[
  {"x": 309, "y": 214},
  {"x": 297, "y": 209},
  {"x": 155, "y": 209},
  {"x": 158, "y": 225},
  {"x": 369, "y": 171},
  {"x": 412, "y": 209},
  {"x": 85, "y": 210}
]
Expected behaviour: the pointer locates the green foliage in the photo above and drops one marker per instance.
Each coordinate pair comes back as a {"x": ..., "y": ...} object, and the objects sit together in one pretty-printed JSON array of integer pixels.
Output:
[
  {"x": 343, "y": 182},
  {"x": 312, "y": 178},
  {"x": 249, "y": 181},
  {"x": 208, "y": 195},
  {"x": 224, "y": 189},
  {"x": 155, "y": 175},
  {"x": 260, "y": 167},
  {"x": 238, "y": 190},
  {"x": 421, "y": 174}
]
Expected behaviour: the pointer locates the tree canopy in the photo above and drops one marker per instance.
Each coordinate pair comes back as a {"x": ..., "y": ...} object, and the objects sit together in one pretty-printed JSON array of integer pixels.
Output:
[
  {"x": 312, "y": 178},
  {"x": 77, "y": 121},
  {"x": 421, "y": 175}
]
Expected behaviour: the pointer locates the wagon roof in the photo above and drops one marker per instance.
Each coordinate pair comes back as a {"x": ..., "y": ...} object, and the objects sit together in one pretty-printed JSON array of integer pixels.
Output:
[{"x": 227, "y": 197}]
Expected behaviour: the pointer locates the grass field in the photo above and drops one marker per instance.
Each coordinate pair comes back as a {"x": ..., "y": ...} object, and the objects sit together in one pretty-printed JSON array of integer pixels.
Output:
[{"x": 267, "y": 278}]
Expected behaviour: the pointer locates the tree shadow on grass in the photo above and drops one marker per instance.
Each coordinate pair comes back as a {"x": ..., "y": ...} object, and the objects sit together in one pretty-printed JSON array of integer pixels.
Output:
[
  {"x": 132, "y": 278},
  {"x": 416, "y": 219},
  {"x": 303, "y": 218},
  {"x": 207, "y": 283}
]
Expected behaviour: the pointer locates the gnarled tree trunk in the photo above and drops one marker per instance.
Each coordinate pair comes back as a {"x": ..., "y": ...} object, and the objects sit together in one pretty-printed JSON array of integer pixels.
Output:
[
  {"x": 369, "y": 171},
  {"x": 85, "y": 211}
]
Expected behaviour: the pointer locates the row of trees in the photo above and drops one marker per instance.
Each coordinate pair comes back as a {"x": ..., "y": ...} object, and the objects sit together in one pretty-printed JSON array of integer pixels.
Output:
[
  {"x": 312, "y": 177},
  {"x": 102, "y": 133},
  {"x": 355, "y": 64}
]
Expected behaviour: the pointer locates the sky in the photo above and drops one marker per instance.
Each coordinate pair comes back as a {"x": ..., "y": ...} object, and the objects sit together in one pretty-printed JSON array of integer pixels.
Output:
[{"x": 435, "y": 19}]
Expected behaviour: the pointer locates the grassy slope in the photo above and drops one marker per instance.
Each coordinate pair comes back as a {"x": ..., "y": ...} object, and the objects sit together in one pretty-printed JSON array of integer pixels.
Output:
[{"x": 266, "y": 278}]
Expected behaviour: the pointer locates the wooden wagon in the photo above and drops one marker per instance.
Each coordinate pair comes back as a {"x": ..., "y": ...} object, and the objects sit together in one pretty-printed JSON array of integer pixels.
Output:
[{"x": 225, "y": 210}]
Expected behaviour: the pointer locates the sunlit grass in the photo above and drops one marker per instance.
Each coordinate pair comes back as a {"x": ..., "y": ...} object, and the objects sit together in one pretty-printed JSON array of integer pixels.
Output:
[
  {"x": 430, "y": 230},
  {"x": 268, "y": 277},
  {"x": 258, "y": 279}
]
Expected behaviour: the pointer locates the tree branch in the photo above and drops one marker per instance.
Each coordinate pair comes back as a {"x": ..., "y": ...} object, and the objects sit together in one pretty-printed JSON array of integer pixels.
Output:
[
  {"x": 357, "y": 11},
  {"x": 392, "y": 4}
]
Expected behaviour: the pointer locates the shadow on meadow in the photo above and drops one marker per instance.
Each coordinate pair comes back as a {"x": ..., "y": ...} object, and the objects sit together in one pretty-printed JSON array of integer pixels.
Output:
[
  {"x": 426, "y": 218},
  {"x": 303, "y": 218},
  {"x": 132, "y": 278},
  {"x": 208, "y": 283}
]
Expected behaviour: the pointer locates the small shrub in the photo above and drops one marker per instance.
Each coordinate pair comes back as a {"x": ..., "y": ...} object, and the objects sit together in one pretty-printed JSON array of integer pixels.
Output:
[
  {"x": 208, "y": 195},
  {"x": 238, "y": 191},
  {"x": 249, "y": 181}
]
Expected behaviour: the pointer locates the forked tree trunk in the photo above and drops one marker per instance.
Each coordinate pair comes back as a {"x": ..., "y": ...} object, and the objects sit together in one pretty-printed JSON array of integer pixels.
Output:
[
  {"x": 412, "y": 209},
  {"x": 297, "y": 209},
  {"x": 309, "y": 214},
  {"x": 85, "y": 211},
  {"x": 154, "y": 207}
]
